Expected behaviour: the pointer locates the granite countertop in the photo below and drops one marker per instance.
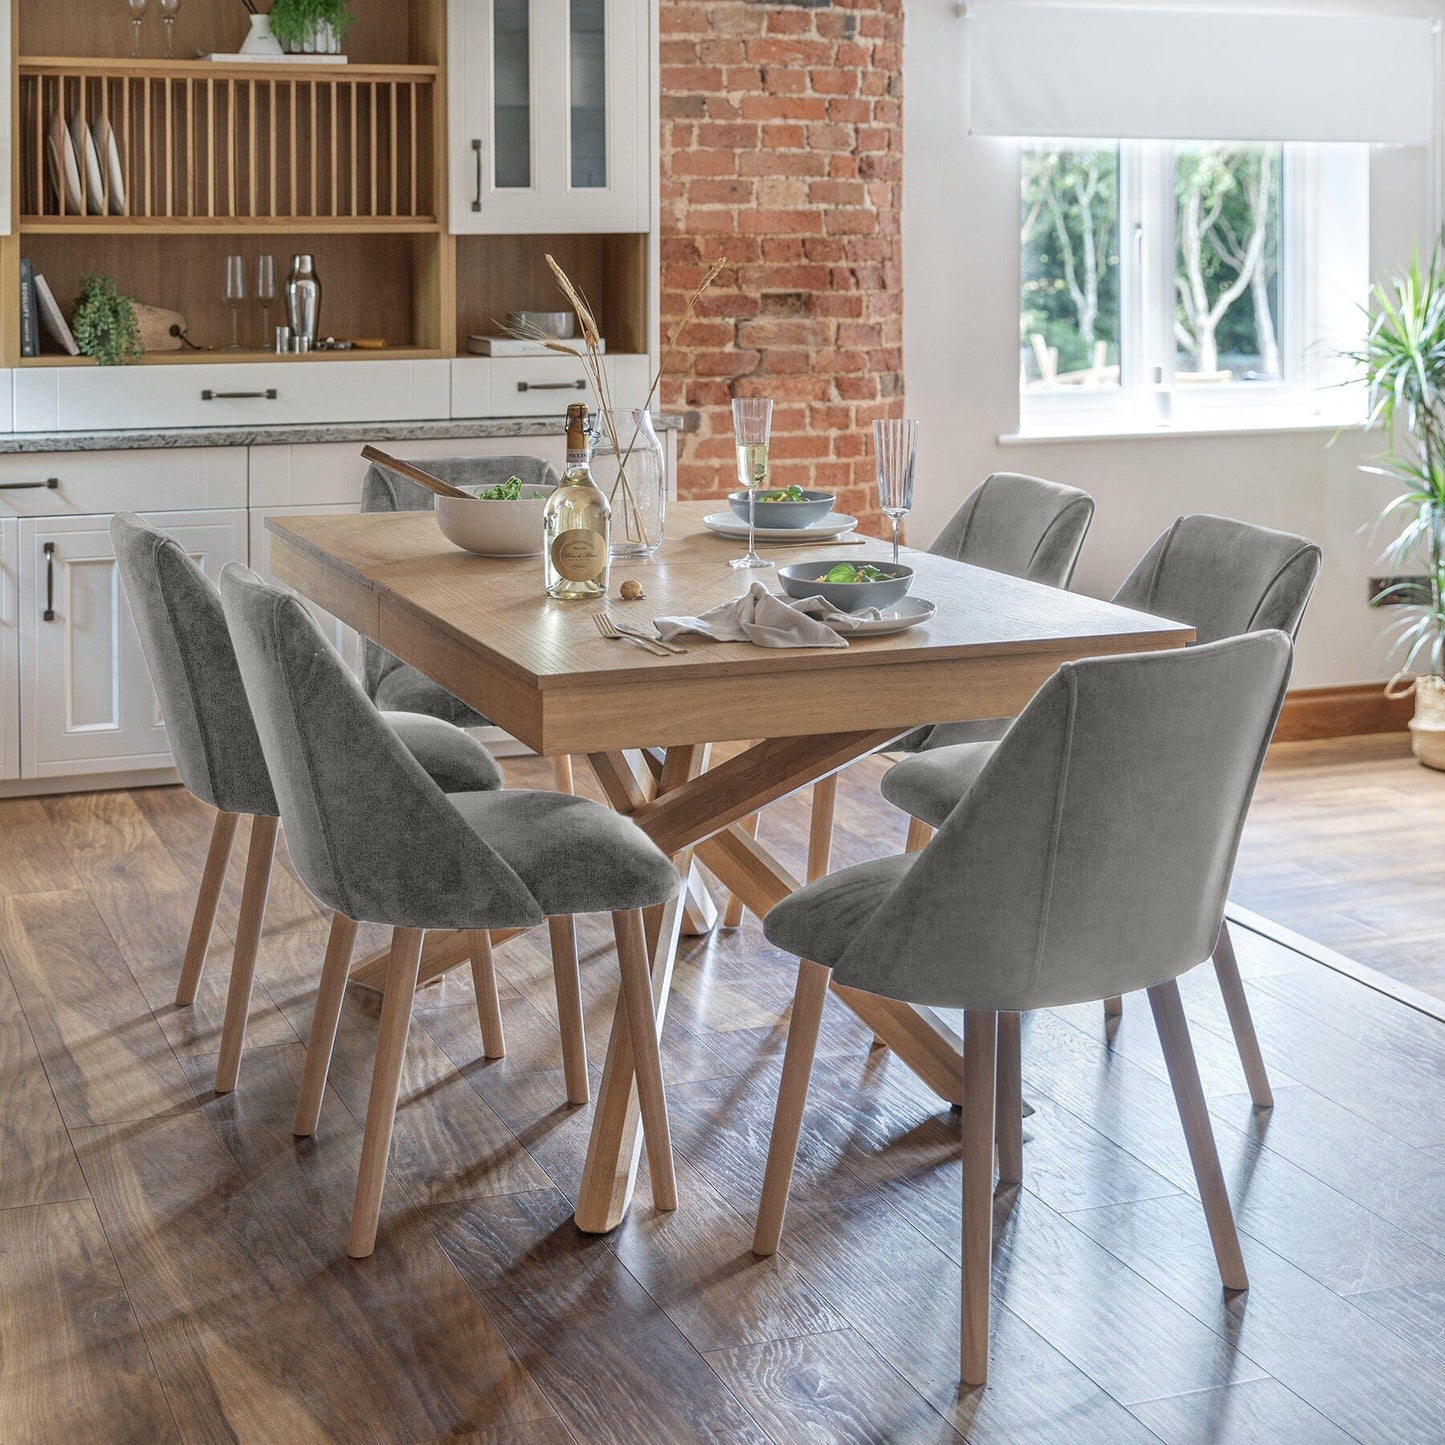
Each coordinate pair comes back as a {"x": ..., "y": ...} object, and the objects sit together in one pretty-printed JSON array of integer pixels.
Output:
[{"x": 153, "y": 438}]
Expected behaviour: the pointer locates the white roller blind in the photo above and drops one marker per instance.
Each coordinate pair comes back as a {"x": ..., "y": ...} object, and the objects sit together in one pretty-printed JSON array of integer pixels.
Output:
[{"x": 1113, "y": 73}]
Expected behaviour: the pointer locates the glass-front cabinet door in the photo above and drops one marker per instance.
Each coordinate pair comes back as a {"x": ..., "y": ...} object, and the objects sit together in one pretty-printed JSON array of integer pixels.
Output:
[{"x": 550, "y": 102}]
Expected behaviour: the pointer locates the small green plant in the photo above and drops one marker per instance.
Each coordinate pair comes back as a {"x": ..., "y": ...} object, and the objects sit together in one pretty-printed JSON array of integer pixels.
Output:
[
  {"x": 293, "y": 21},
  {"x": 104, "y": 324}
]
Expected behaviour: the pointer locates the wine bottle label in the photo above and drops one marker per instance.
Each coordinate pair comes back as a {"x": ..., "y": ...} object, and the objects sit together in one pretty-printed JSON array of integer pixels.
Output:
[
  {"x": 579, "y": 555},
  {"x": 578, "y": 457}
]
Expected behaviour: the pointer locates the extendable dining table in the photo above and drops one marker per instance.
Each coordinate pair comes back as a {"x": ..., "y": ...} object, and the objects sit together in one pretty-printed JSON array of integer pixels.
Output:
[{"x": 484, "y": 629}]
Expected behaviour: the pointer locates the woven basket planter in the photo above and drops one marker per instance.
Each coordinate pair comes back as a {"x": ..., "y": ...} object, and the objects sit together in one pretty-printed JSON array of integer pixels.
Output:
[{"x": 1427, "y": 727}]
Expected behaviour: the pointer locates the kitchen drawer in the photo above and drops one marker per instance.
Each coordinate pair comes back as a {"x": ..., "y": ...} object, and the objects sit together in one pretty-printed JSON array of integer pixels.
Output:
[
  {"x": 540, "y": 385},
  {"x": 7, "y": 401},
  {"x": 329, "y": 473},
  {"x": 129, "y": 481},
  {"x": 261, "y": 393}
]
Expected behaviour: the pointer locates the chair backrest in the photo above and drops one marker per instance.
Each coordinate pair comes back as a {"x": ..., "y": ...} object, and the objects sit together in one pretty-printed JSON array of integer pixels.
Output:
[
  {"x": 177, "y": 612},
  {"x": 384, "y": 491},
  {"x": 1224, "y": 577},
  {"x": 370, "y": 833},
  {"x": 1022, "y": 525},
  {"x": 1093, "y": 854}
]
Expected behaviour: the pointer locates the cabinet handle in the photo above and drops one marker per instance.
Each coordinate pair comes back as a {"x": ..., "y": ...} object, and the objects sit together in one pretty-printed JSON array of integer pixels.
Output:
[
  {"x": 51, "y": 482},
  {"x": 477, "y": 152},
  {"x": 268, "y": 395},
  {"x": 49, "y": 613},
  {"x": 578, "y": 385}
]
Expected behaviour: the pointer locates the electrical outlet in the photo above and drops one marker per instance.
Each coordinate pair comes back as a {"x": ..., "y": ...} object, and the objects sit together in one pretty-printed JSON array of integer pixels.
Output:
[{"x": 1407, "y": 591}]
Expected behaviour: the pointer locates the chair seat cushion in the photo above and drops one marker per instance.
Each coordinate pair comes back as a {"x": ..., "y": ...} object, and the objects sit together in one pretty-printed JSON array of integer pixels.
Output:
[
  {"x": 820, "y": 920},
  {"x": 574, "y": 855},
  {"x": 404, "y": 689},
  {"x": 949, "y": 735},
  {"x": 930, "y": 784},
  {"x": 456, "y": 762}
]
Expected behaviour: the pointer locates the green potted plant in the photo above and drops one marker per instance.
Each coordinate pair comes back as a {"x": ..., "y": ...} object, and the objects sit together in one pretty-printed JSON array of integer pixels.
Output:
[
  {"x": 104, "y": 323},
  {"x": 1403, "y": 361},
  {"x": 311, "y": 27}
]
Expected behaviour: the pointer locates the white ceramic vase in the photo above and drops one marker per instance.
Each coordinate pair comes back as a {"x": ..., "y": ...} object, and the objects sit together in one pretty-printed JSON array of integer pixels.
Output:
[{"x": 260, "y": 41}]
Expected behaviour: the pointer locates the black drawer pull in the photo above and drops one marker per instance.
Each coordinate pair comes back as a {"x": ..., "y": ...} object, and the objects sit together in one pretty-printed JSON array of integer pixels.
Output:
[
  {"x": 49, "y": 613},
  {"x": 268, "y": 395},
  {"x": 551, "y": 386},
  {"x": 50, "y": 482},
  {"x": 477, "y": 199}
]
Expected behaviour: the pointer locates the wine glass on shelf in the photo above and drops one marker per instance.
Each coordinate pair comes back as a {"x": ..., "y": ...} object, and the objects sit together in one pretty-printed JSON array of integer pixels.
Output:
[
  {"x": 752, "y": 424},
  {"x": 265, "y": 292},
  {"x": 235, "y": 294},
  {"x": 168, "y": 19},
  {"x": 895, "y": 446},
  {"x": 137, "y": 10}
]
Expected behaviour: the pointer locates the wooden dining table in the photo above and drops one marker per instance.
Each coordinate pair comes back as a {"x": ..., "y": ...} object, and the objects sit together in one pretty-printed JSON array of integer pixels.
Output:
[{"x": 485, "y": 629}]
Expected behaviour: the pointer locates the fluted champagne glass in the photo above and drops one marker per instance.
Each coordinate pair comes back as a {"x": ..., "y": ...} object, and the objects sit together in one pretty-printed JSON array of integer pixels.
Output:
[
  {"x": 235, "y": 295},
  {"x": 137, "y": 11},
  {"x": 752, "y": 425},
  {"x": 266, "y": 294},
  {"x": 895, "y": 446},
  {"x": 168, "y": 19}
]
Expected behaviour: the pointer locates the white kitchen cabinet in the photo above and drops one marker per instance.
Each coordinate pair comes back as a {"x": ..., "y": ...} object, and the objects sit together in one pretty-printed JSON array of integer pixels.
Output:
[
  {"x": 550, "y": 115},
  {"x": 86, "y": 700},
  {"x": 82, "y": 484},
  {"x": 537, "y": 386},
  {"x": 9, "y": 649}
]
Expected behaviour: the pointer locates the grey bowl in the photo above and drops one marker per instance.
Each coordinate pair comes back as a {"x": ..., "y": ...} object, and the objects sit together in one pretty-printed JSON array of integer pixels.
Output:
[
  {"x": 800, "y": 579},
  {"x": 785, "y": 514}
]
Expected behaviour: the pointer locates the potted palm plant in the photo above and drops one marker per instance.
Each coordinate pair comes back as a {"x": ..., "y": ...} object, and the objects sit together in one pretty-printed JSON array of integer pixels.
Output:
[{"x": 1403, "y": 360}]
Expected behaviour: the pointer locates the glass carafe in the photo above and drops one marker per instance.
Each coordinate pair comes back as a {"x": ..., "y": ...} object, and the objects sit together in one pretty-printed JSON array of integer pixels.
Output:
[{"x": 637, "y": 489}]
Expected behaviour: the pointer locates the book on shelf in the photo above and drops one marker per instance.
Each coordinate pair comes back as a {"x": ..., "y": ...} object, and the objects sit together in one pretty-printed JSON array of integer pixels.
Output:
[
  {"x": 56, "y": 325},
  {"x": 524, "y": 346},
  {"x": 29, "y": 326}
]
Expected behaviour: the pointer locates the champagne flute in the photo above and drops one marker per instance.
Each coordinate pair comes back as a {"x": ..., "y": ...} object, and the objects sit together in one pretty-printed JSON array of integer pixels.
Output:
[
  {"x": 137, "y": 9},
  {"x": 235, "y": 294},
  {"x": 752, "y": 424},
  {"x": 168, "y": 19},
  {"x": 895, "y": 446},
  {"x": 265, "y": 290}
]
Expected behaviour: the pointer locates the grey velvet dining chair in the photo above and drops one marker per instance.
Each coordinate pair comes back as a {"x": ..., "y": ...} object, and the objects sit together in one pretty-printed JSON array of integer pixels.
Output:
[
  {"x": 390, "y": 682},
  {"x": 178, "y": 615},
  {"x": 1223, "y": 578},
  {"x": 1022, "y": 525},
  {"x": 1090, "y": 858},
  {"x": 376, "y": 840}
]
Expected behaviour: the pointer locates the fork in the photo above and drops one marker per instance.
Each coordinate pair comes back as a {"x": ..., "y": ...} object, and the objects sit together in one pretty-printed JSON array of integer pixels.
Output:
[
  {"x": 629, "y": 630},
  {"x": 609, "y": 629}
]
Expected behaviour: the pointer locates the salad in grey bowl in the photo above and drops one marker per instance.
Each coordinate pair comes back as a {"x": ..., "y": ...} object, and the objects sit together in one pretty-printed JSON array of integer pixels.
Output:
[
  {"x": 784, "y": 506},
  {"x": 849, "y": 586}
]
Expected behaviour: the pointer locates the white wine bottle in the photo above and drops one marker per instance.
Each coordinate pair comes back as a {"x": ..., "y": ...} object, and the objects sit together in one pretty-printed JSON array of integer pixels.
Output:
[{"x": 577, "y": 522}]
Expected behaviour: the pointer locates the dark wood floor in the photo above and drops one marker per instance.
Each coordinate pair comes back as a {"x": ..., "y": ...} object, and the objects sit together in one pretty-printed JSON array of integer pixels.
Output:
[{"x": 172, "y": 1264}]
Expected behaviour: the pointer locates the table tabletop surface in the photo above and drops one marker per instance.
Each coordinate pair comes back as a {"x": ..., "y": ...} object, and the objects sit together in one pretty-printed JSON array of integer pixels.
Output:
[{"x": 497, "y": 610}]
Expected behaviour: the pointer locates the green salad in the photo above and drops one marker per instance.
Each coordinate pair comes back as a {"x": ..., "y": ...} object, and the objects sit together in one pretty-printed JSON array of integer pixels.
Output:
[
  {"x": 794, "y": 493},
  {"x": 508, "y": 491},
  {"x": 847, "y": 572}
]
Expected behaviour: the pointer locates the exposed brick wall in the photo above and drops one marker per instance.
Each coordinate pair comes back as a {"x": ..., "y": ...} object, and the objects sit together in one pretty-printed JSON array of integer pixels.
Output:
[{"x": 782, "y": 151}]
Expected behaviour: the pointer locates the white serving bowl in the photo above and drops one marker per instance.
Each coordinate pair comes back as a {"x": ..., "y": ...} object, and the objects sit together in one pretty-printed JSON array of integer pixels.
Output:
[{"x": 494, "y": 529}]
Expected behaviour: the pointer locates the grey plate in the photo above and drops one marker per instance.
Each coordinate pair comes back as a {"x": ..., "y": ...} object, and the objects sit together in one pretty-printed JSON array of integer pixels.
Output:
[
  {"x": 835, "y": 524},
  {"x": 899, "y": 618}
]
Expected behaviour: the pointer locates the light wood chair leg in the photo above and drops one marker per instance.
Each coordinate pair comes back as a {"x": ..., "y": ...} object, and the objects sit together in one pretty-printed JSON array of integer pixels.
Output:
[
  {"x": 1194, "y": 1116},
  {"x": 1010, "y": 1100},
  {"x": 562, "y": 778},
  {"x": 919, "y": 836},
  {"x": 401, "y": 974},
  {"x": 1113, "y": 1007},
  {"x": 1236, "y": 1005},
  {"x": 325, "y": 1017},
  {"x": 803, "y": 1028},
  {"x": 733, "y": 913},
  {"x": 484, "y": 985},
  {"x": 636, "y": 969},
  {"x": 820, "y": 830},
  {"x": 259, "y": 858},
  {"x": 569, "y": 1006},
  {"x": 980, "y": 1048},
  {"x": 218, "y": 855}
]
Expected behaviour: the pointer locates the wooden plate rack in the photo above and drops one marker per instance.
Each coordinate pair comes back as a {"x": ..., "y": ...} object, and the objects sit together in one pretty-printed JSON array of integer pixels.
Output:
[{"x": 201, "y": 145}]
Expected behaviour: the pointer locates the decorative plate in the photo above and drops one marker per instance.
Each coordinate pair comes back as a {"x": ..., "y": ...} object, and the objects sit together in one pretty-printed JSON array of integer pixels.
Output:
[{"x": 831, "y": 527}]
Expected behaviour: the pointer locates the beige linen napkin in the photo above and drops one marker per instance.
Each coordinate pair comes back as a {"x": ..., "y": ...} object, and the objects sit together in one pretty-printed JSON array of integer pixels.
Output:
[{"x": 768, "y": 621}]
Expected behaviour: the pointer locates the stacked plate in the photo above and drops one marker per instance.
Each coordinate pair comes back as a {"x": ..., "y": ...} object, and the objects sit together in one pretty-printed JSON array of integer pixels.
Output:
[
  {"x": 828, "y": 529},
  {"x": 66, "y": 143}
]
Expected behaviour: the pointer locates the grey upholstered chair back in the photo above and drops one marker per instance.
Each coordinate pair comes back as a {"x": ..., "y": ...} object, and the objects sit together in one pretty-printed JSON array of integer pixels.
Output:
[
  {"x": 1092, "y": 856},
  {"x": 371, "y": 834},
  {"x": 384, "y": 491},
  {"x": 1224, "y": 577},
  {"x": 177, "y": 612},
  {"x": 1022, "y": 525}
]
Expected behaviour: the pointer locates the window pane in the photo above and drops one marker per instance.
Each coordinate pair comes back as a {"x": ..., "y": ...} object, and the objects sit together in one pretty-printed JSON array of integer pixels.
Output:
[
  {"x": 1069, "y": 231},
  {"x": 1227, "y": 263},
  {"x": 512, "y": 80},
  {"x": 589, "y": 94}
]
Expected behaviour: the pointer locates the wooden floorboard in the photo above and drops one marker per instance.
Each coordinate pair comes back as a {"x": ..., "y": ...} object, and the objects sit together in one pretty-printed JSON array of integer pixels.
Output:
[{"x": 172, "y": 1263}]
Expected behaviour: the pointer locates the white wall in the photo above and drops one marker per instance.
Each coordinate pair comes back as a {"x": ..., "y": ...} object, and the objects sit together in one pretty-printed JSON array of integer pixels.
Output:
[{"x": 961, "y": 289}]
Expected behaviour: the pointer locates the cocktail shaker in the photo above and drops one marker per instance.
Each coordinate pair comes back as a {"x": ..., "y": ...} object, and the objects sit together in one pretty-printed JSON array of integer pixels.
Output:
[{"x": 303, "y": 300}]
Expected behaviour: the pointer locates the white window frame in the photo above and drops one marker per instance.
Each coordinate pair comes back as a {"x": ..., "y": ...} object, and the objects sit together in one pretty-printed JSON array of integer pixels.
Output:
[{"x": 1309, "y": 385}]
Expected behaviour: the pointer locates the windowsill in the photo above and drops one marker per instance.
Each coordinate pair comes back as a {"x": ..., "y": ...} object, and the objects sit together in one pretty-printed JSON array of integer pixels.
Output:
[{"x": 1226, "y": 424}]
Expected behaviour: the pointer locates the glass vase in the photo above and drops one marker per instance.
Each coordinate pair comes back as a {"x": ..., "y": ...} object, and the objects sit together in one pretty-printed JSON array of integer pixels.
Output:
[{"x": 637, "y": 488}]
